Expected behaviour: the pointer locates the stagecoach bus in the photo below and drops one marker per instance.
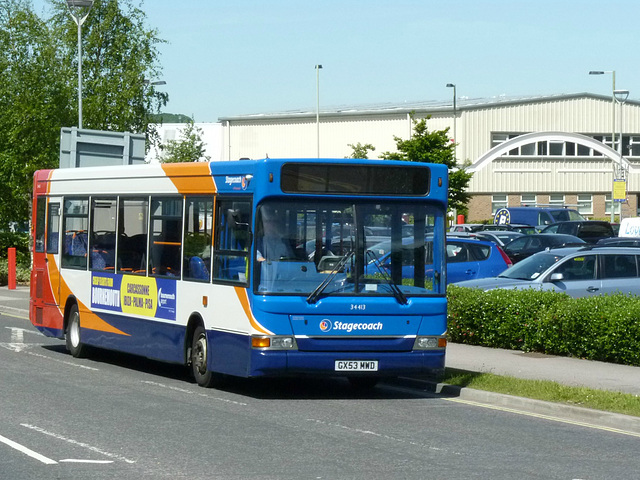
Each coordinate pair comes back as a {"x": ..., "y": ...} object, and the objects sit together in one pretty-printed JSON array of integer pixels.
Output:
[{"x": 246, "y": 268}]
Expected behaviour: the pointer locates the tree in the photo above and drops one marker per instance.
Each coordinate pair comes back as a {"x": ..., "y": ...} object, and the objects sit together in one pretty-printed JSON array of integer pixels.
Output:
[
  {"x": 38, "y": 86},
  {"x": 435, "y": 147},
  {"x": 34, "y": 104},
  {"x": 190, "y": 147},
  {"x": 360, "y": 151},
  {"x": 119, "y": 64}
]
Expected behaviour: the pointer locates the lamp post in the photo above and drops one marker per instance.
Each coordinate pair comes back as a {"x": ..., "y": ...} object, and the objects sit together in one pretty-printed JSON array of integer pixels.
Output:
[
  {"x": 148, "y": 82},
  {"x": 613, "y": 127},
  {"x": 79, "y": 11},
  {"x": 455, "y": 116},
  {"x": 318, "y": 67},
  {"x": 621, "y": 97}
]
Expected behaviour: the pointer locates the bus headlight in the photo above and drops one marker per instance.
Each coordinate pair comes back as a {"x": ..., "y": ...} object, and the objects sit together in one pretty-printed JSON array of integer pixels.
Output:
[
  {"x": 429, "y": 343},
  {"x": 274, "y": 342}
]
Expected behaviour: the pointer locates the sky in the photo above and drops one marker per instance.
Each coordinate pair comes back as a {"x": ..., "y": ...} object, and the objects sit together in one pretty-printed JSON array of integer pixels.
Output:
[{"x": 237, "y": 57}]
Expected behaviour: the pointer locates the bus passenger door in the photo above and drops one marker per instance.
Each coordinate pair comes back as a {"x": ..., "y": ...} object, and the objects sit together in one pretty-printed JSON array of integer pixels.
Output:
[{"x": 53, "y": 252}]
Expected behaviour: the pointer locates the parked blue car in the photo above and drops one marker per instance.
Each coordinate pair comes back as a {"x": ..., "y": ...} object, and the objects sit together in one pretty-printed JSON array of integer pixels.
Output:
[{"x": 467, "y": 259}]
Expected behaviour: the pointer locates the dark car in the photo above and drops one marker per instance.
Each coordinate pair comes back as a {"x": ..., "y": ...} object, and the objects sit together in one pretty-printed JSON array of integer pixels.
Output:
[
  {"x": 619, "y": 242},
  {"x": 466, "y": 227},
  {"x": 540, "y": 216},
  {"x": 527, "y": 245},
  {"x": 589, "y": 230},
  {"x": 578, "y": 272},
  {"x": 511, "y": 227},
  {"x": 499, "y": 237}
]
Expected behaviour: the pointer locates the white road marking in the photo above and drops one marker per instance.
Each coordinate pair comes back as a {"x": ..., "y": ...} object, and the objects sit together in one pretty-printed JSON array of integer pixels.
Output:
[
  {"x": 545, "y": 417},
  {"x": 75, "y": 442},
  {"x": 191, "y": 392},
  {"x": 27, "y": 451},
  {"x": 77, "y": 460},
  {"x": 379, "y": 435},
  {"x": 71, "y": 364}
]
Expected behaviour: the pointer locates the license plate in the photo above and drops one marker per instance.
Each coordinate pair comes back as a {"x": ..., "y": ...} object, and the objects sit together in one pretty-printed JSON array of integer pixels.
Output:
[{"x": 356, "y": 365}]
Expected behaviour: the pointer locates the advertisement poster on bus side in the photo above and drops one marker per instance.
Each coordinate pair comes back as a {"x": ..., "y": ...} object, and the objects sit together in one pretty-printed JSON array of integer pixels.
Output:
[{"x": 133, "y": 294}]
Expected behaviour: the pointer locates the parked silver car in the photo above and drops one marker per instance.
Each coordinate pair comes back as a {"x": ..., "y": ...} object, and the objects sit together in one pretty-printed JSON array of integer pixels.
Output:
[{"x": 576, "y": 271}]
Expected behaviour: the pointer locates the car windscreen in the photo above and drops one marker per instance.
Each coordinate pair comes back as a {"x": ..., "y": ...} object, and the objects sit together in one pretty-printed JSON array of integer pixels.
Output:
[{"x": 532, "y": 267}]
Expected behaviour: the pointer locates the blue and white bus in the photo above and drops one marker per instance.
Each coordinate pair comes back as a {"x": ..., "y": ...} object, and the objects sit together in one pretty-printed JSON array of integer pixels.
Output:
[{"x": 247, "y": 268}]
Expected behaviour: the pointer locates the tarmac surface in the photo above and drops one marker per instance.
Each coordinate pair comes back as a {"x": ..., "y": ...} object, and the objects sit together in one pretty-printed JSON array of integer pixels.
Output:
[{"x": 533, "y": 366}]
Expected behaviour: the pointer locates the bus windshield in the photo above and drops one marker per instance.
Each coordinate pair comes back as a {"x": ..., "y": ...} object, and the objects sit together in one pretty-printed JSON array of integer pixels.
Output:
[{"x": 322, "y": 248}]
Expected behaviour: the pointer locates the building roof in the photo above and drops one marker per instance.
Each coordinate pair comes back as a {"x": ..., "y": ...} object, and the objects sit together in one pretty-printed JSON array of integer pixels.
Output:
[{"x": 422, "y": 106}]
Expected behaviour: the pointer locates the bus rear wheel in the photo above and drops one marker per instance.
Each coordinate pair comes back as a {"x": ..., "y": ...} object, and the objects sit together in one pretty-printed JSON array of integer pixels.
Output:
[
  {"x": 199, "y": 360},
  {"x": 72, "y": 334}
]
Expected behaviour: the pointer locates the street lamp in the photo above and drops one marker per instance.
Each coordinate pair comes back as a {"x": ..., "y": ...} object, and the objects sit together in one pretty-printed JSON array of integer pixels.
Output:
[
  {"x": 148, "y": 82},
  {"x": 455, "y": 115},
  {"x": 621, "y": 97},
  {"x": 318, "y": 67},
  {"x": 613, "y": 127},
  {"x": 79, "y": 10}
]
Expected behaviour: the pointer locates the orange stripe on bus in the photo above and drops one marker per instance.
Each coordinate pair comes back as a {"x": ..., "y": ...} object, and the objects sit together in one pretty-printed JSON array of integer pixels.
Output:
[
  {"x": 244, "y": 301},
  {"x": 190, "y": 178},
  {"x": 88, "y": 319}
]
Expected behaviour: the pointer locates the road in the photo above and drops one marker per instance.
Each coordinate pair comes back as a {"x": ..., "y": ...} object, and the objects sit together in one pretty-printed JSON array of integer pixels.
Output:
[{"x": 120, "y": 416}]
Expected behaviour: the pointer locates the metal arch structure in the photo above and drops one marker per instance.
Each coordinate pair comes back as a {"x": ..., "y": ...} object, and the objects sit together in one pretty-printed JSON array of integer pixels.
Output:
[{"x": 621, "y": 164}]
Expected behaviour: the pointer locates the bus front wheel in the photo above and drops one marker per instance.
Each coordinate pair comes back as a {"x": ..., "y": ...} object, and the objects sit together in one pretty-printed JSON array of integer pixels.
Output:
[
  {"x": 72, "y": 333},
  {"x": 199, "y": 355}
]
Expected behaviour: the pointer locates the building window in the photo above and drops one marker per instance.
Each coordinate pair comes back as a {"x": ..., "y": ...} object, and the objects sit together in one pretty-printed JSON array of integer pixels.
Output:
[
  {"x": 556, "y": 199},
  {"x": 544, "y": 148},
  {"x": 634, "y": 146},
  {"x": 585, "y": 203},
  {"x": 498, "y": 202},
  {"x": 528, "y": 199},
  {"x": 556, "y": 149}
]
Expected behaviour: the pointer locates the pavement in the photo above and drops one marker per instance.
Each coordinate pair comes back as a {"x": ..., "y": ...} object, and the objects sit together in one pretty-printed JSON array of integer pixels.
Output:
[{"x": 513, "y": 363}]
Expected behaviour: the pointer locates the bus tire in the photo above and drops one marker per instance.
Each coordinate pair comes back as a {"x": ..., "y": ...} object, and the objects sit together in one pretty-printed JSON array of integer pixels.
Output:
[
  {"x": 72, "y": 333},
  {"x": 363, "y": 383},
  {"x": 199, "y": 359}
]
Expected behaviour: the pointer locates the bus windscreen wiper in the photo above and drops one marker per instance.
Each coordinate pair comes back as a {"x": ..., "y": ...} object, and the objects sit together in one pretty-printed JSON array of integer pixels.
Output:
[
  {"x": 400, "y": 297},
  {"x": 313, "y": 296}
]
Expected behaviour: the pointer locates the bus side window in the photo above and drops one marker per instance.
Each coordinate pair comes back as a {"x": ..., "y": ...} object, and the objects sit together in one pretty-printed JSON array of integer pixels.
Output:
[
  {"x": 165, "y": 249},
  {"x": 53, "y": 228},
  {"x": 103, "y": 234},
  {"x": 232, "y": 240},
  {"x": 41, "y": 207},
  {"x": 133, "y": 217},
  {"x": 198, "y": 227},
  {"x": 75, "y": 221}
]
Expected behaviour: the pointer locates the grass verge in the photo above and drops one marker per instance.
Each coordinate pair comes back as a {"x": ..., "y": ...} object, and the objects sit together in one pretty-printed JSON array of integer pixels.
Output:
[{"x": 624, "y": 403}]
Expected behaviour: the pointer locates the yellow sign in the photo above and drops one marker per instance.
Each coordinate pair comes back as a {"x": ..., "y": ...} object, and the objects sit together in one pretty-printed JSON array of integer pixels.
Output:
[
  {"x": 619, "y": 190},
  {"x": 139, "y": 295}
]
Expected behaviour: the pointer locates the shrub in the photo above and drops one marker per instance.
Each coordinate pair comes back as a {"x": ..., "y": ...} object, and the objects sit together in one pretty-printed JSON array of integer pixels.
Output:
[
  {"x": 19, "y": 241},
  {"x": 23, "y": 272},
  {"x": 605, "y": 328}
]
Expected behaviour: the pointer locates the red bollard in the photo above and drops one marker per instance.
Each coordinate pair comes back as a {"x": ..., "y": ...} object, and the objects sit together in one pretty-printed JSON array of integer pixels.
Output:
[
  {"x": 460, "y": 219},
  {"x": 12, "y": 268}
]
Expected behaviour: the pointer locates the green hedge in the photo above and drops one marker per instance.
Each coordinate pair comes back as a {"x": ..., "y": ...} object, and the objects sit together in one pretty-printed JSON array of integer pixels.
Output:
[
  {"x": 19, "y": 241},
  {"x": 605, "y": 328}
]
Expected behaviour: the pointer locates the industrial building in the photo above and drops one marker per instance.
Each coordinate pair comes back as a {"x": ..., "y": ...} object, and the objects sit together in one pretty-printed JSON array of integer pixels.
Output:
[{"x": 553, "y": 149}]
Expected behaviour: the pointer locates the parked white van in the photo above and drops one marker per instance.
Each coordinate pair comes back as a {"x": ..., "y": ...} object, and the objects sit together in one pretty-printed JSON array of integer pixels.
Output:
[{"x": 630, "y": 227}]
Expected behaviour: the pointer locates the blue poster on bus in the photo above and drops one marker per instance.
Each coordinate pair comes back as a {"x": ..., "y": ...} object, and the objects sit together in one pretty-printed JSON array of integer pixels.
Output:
[{"x": 133, "y": 294}]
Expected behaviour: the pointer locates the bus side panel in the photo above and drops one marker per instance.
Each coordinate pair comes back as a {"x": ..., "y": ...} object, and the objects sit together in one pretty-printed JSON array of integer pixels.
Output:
[
  {"x": 231, "y": 353},
  {"x": 146, "y": 337}
]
